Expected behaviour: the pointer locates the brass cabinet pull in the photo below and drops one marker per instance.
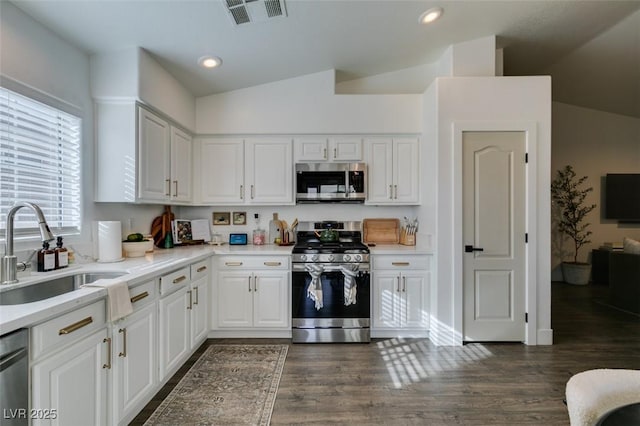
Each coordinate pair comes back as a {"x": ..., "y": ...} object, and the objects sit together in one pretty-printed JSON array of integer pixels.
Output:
[
  {"x": 398, "y": 287},
  {"x": 202, "y": 268},
  {"x": 272, "y": 263},
  {"x": 175, "y": 182},
  {"x": 391, "y": 192},
  {"x": 233, "y": 263},
  {"x": 168, "y": 187},
  {"x": 255, "y": 283},
  {"x": 190, "y": 300},
  {"x": 179, "y": 279},
  {"x": 335, "y": 153},
  {"x": 396, "y": 191},
  {"x": 400, "y": 263},
  {"x": 139, "y": 297},
  {"x": 242, "y": 192},
  {"x": 404, "y": 284},
  {"x": 107, "y": 340},
  {"x": 253, "y": 192},
  {"x": 75, "y": 326},
  {"x": 249, "y": 284},
  {"x": 196, "y": 301},
  {"x": 324, "y": 155},
  {"x": 123, "y": 331}
]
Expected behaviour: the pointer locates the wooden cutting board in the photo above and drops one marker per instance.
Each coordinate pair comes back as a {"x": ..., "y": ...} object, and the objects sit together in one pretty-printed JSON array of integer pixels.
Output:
[
  {"x": 161, "y": 225},
  {"x": 381, "y": 231}
]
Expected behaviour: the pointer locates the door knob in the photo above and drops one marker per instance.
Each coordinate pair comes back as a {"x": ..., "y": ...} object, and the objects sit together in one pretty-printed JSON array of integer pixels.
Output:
[{"x": 471, "y": 249}]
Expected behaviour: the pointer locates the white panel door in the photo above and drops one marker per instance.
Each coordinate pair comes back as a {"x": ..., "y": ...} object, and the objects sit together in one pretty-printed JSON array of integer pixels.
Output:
[
  {"x": 174, "y": 331},
  {"x": 387, "y": 299},
  {"x": 235, "y": 299},
  {"x": 180, "y": 165},
  {"x": 269, "y": 171},
  {"x": 199, "y": 311},
  {"x": 311, "y": 149},
  {"x": 154, "y": 167},
  {"x": 346, "y": 149},
  {"x": 415, "y": 302},
  {"x": 494, "y": 236},
  {"x": 222, "y": 171}
]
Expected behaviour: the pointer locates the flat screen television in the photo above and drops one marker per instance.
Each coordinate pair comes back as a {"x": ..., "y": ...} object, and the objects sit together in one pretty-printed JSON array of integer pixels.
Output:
[{"x": 622, "y": 197}]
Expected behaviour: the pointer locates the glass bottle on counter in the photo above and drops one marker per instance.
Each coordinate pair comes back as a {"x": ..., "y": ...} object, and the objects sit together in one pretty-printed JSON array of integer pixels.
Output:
[
  {"x": 61, "y": 255},
  {"x": 259, "y": 235},
  {"x": 46, "y": 258}
]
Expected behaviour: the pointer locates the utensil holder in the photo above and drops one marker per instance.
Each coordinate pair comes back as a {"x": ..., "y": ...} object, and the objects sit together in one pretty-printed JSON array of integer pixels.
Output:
[{"x": 407, "y": 239}]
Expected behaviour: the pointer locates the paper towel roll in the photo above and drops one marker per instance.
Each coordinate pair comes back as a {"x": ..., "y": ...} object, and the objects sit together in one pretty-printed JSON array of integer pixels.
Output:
[{"x": 109, "y": 241}]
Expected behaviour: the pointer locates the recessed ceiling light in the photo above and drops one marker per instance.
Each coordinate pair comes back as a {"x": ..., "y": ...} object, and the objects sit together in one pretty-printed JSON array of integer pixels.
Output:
[
  {"x": 210, "y": 61},
  {"x": 430, "y": 15}
]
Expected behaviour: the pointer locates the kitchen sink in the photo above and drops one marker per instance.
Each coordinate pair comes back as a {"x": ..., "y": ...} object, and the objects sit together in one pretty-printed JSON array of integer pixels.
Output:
[{"x": 54, "y": 287}]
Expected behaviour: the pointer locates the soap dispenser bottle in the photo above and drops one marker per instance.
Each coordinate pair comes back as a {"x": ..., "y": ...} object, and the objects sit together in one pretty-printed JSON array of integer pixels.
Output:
[
  {"x": 46, "y": 258},
  {"x": 61, "y": 255}
]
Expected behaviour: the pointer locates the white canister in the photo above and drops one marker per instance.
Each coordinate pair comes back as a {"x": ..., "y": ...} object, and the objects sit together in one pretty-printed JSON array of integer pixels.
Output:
[{"x": 109, "y": 241}]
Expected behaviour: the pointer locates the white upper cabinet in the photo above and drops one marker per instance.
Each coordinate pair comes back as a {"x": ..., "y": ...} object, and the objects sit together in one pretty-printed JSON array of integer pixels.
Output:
[
  {"x": 141, "y": 156},
  {"x": 252, "y": 171},
  {"x": 393, "y": 170},
  {"x": 328, "y": 149}
]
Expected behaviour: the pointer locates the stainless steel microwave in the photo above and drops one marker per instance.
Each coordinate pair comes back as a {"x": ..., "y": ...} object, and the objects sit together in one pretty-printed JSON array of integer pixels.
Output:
[{"x": 331, "y": 182}]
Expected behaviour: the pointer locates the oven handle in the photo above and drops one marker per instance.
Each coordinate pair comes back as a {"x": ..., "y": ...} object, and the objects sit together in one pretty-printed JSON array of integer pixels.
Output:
[{"x": 300, "y": 267}]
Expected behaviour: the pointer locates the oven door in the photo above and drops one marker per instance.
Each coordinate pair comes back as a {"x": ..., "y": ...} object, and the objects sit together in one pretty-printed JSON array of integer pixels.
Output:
[{"x": 333, "y": 313}]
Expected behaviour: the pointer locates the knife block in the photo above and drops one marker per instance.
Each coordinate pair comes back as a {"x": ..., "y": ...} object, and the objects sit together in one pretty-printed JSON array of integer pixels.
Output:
[{"x": 407, "y": 239}]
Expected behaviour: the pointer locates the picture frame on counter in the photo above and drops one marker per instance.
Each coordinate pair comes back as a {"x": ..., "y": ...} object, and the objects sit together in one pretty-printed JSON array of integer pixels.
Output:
[
  {"x": 221, "y": 218},
  {"x": 239, "y": 218}
]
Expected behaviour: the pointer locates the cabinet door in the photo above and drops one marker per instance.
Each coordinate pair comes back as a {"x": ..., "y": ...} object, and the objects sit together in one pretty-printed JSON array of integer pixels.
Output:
[
  {"x": 221, "y": 171},
  {"x": 135, "y": 362},
  {"x": 415, "y": 306},
  {"x": 386, "y": 308},
  {"x": 154, "y": 167},
  {"x": 405, "y": 170},
  {"x": 269, "y": 171},
  {"x": 271, "y": 299},
  {"x": 74, "y": 383},
  {"x": 235, "y": 299},
  {"x": 180, "y": 165},
  {"x": 380, "y": 171},
  {"x": 199, "y": 310},
  {"x": 174, "y": 341},
  {"x": 311, "y": 149},
  {"x": 346, "y": 149}
]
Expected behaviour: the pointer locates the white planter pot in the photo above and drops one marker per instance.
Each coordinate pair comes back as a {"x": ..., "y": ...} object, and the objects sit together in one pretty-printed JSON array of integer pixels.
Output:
[{"x": 576, "y": 273}]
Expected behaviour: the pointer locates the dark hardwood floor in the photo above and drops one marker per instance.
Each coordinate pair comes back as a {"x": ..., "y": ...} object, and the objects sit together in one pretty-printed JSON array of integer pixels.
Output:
[{"x": 411, "y": 381}]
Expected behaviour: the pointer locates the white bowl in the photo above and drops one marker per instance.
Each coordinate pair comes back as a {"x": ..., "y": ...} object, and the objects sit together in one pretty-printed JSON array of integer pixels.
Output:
[{"x": 137, "y": 248}]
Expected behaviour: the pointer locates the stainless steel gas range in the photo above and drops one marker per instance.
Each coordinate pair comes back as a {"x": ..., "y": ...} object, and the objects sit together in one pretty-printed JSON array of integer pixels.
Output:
[{"x": 331, "y": 296}]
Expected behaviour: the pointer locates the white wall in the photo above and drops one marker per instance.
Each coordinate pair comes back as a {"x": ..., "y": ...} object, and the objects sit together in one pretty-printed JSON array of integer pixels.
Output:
[
  {"x": 502, "y": 100},
  {"x": 306, "y": 104},
  {"x": 38, "y": 59},
  {"x": 594, "y": 143}
]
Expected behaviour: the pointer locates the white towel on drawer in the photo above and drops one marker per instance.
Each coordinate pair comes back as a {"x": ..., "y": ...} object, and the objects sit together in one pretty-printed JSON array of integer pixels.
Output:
[
  {"x": 314, "y": 290},
  {"x": 118, "y": 298},
  {"x": 350, "y": 288}
]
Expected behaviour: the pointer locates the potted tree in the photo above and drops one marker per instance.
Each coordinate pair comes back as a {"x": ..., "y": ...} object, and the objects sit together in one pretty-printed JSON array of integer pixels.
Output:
[{"x": 568, "y": 195}]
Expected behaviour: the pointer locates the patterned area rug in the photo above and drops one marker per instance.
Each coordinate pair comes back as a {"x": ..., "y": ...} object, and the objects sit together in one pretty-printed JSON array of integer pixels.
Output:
[{"x": 227, "y": 385}]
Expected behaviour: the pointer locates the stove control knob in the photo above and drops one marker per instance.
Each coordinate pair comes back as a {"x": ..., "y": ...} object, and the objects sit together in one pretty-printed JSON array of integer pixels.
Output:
[
  {"x": 303, "y": 257},
  {"x": 346, "y": 258},
  {"x": 358, "y": 257},
  {"x": 315, "y": 257},
  {"x": 330, "y": 258}
]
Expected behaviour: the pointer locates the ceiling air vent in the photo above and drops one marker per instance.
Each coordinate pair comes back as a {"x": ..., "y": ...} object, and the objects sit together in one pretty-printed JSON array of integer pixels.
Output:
[{"x": 246, "y": 11}]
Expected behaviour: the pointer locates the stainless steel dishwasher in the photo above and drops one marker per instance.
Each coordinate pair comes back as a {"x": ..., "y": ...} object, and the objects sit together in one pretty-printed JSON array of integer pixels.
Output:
[{"x": 14, "y": 378}]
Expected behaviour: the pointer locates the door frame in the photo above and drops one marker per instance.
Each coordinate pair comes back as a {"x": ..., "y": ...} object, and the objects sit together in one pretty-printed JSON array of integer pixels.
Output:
[{"x": 531, "y": 288}]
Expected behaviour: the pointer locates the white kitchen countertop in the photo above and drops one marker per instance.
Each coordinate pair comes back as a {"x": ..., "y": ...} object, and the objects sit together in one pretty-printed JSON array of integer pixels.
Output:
[
  {"x": 400, "y": 249},
  {"x": 138, "y": 270}
]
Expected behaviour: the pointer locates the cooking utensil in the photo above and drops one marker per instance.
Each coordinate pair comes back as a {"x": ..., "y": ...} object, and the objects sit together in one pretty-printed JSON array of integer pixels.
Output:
[{"x": 327, "y": 235}]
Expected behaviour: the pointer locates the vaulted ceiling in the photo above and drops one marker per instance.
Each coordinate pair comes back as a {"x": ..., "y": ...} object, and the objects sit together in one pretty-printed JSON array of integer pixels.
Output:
[{"x": 584, "y": 42}]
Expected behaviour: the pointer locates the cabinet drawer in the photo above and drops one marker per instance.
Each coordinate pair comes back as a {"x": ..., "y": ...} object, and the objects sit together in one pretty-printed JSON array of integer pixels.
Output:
[
  {"x": 253, "y": 262},
  {"x": 175, "y": 280},
  {"x": 68, "y": 328},
  {"x": 412, "y": 261},
  {"x": 143, "y": 294},
  {"x": 200, "y": 269}
]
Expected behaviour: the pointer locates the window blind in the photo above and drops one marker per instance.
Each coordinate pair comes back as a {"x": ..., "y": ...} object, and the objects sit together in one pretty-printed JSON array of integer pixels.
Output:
[{"x": 40, "y": 163}]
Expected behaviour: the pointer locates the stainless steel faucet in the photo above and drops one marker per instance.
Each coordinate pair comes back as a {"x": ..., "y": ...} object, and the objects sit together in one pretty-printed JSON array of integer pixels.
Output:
[{"x": 9, "y": 261}]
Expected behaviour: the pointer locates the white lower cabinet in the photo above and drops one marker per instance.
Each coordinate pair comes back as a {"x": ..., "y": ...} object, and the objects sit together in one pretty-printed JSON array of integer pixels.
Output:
[
  {"x": 135, "y": 355},
  {"x": 69, "y": 376},
  {"x": 401, "y": 294},
  {"x": 253, "y": 292},
  {"x": 183, "y": 315}
]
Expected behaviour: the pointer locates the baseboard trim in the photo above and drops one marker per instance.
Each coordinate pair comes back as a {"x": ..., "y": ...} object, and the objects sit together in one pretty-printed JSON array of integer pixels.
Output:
[{"x": 545, "y": 336}]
